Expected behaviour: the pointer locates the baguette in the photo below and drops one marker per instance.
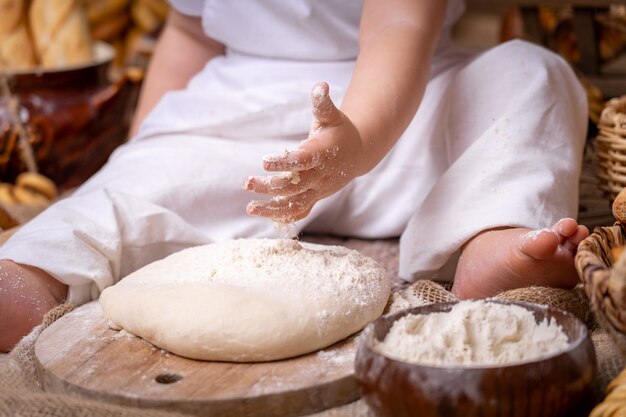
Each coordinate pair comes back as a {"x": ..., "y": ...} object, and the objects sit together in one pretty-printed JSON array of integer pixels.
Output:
[
  {"x": 101, "y": 11},
  {"x": 144, "y": 17},
  {"x": 112, "y": 28},
  {"x": 60, "y": 32},
  {"x": 16, "y": 48},
  {"x": 158, "y": 7}
]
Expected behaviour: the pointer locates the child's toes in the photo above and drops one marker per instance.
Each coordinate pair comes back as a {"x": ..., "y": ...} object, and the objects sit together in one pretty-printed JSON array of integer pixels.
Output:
[
  {"x": 566, "y": 227},
  {"x": 572, "y": 242},
  {"x": 539, "y": 244}
]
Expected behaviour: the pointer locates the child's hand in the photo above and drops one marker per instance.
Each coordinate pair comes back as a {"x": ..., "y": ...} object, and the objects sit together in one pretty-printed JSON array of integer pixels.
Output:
[{"x": 319, "y": 167}]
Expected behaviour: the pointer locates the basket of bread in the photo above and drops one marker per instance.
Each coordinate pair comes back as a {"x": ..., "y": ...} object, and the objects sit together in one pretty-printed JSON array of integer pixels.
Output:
[
  {"x": 601, "y": 264},
  {"x": 28, "y": 196},
  {"x": 61, "y": 33},
  {"x": 67, "y": 91},
  {"x": 611, "y": 147}
]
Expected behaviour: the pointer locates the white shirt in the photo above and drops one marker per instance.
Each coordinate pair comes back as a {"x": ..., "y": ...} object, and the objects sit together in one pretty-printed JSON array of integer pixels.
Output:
[{"x": 318, "y": 30}]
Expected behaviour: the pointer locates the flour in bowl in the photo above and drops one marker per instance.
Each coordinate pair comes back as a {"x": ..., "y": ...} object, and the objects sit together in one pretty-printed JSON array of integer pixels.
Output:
[{"x": 473, "y": 333}]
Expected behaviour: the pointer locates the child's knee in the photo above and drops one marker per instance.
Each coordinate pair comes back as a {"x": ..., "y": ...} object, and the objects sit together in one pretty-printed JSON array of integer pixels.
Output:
[{"x": 26, "y": 294}]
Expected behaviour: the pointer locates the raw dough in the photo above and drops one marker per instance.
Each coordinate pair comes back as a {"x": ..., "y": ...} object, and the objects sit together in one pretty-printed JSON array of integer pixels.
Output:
[{"x": 249, "y": 299}]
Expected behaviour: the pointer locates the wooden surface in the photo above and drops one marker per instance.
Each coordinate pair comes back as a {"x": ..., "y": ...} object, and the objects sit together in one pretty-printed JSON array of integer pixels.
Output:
[{"x": 79, "y": 354}]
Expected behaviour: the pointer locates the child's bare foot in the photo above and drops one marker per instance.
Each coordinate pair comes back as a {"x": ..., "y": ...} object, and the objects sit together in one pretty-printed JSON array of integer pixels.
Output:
[
  {"x": 26, "y": 294},
  {"x": 503, "y": 259}
]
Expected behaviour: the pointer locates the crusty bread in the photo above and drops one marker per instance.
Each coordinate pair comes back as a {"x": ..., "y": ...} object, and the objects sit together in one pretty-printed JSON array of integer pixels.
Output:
[
  {"x": 12, "y": 15},
  {"x": 60, "y": 32},
  {"x": 619, "y": 207},
  {"x": 16, "y": 48},
  {"x": 37, "y": 183}
]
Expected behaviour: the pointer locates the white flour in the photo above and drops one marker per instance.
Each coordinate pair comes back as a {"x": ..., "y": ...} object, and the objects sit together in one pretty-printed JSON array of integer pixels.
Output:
[{"x": 473, "y": 333}]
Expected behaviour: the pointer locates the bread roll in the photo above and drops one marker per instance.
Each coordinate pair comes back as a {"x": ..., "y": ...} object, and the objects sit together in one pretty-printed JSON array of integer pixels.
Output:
[
  {"x": 619, "y": 207},
  {"x": 60, "y": 32},
  {"x": 16, "y": 49},
  {"x": 29, "y": 197},
  {"x": 37, "y": 183}
]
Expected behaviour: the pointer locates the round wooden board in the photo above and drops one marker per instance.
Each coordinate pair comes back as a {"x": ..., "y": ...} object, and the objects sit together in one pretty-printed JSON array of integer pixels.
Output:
[{"x": 79, "y": 354}]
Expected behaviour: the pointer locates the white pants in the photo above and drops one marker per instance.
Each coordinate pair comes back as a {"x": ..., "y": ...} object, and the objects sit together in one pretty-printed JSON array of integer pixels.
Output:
[{"x": 497, "y": 141}]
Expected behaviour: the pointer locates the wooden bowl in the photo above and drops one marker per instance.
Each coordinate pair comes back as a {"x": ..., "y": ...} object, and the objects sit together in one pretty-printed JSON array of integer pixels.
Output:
[{"x": 549, "y": 387}]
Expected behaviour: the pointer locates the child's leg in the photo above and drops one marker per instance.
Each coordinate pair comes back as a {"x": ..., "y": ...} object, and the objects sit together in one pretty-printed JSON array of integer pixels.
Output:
[
  {"x": 153, "y": 198},
  {"x": 26, "y": 294},
  {"x": 515, "y": 127},
  {"x": 499, "y": 260}
]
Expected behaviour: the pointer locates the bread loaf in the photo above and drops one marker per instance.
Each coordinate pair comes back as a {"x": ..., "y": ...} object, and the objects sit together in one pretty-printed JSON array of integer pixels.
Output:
[
  {"x": 60, "y": 32},
  {"x": 16, "y": 49}
]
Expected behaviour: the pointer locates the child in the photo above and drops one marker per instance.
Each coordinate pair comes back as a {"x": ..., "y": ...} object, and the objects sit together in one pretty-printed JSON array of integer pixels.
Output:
[{"x": 474, "y": 182}]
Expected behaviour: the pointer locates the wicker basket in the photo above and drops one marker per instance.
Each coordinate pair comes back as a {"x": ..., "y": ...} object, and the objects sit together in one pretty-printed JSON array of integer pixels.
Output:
[
  {"x": 614, "y": 405},
  {"x": 611, "y": 147},
  {"x": 605, "y": 279}
]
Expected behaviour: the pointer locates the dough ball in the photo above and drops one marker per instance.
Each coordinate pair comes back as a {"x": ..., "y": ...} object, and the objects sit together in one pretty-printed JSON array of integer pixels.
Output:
[{"x": 249, "y": 300}]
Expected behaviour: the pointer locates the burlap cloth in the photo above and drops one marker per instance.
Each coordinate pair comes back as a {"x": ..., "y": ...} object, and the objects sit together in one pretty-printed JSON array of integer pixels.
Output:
[{"x": 20, "y": 394}]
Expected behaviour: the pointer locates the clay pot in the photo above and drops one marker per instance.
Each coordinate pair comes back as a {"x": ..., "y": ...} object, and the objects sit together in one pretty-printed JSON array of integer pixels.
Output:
[
  {"x": 558, "y": 385},
  {"x": 75, "y": 117}
]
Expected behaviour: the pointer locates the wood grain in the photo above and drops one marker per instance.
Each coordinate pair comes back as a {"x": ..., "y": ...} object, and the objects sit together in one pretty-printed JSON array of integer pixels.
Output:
[{"x": 79, "y": 354}]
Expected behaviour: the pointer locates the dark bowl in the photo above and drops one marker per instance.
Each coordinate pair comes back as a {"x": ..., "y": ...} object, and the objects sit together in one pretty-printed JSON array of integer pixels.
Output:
[
  {"x": 553, "y": 386},
  {"x": 74, "y": 118}
]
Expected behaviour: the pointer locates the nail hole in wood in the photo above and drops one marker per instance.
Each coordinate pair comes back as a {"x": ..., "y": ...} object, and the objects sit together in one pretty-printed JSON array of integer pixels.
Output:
[{"x": 168, "y": 378}]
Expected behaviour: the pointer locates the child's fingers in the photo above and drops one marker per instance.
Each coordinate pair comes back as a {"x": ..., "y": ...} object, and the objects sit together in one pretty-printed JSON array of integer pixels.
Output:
[
  {"x": 306, "y": 156},
  {"x": 324, "y": 109},
  {"x": 284, "y": 209},
  {"x": 285, "y": 184}
]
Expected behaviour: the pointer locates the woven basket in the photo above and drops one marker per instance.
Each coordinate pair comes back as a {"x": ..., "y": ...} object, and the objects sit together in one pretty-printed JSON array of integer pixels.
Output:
[
  {"x": 605, "y": 279},
  {"x": 611, "y": 147},
  {"x": 614, "y": 405}
]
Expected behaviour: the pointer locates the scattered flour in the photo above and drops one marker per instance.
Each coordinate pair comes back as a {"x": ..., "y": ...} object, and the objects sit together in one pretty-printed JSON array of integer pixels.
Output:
[
  {"x": 404, "y": 299},
  {"x": 473, "y": 333},
  {"x": 292, "y": 176},
  {"x": 336, "y": 358},
  {"x": 286, "y": 230},
  {"x": 318, "y": 91},
  {"x": 275, "y": 157},
  {"x": 533, "y": 235},
  {"x": 123, "y": 334}
]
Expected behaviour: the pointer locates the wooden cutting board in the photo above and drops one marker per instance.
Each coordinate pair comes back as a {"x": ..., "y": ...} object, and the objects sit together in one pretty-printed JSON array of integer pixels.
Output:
[{"x": 79, "y": 354}]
